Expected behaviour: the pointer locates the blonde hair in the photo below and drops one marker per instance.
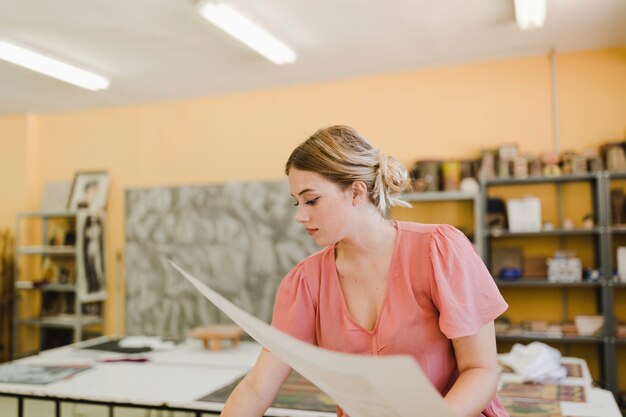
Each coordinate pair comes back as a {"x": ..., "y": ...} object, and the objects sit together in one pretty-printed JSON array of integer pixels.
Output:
[{"x": 342, "y": 155}]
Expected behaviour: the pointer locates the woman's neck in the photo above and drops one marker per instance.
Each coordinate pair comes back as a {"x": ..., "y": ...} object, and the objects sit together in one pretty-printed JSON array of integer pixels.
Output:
[{"x": 373, "y": 234}]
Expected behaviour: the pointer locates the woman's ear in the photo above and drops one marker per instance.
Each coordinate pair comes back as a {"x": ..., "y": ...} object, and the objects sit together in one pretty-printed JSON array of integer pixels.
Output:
[{"x": 359, "y": 192}]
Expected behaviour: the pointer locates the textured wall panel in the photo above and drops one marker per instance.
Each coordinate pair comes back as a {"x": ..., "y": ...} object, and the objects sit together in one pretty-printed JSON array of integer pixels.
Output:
[{"x": 239, "y": 238}]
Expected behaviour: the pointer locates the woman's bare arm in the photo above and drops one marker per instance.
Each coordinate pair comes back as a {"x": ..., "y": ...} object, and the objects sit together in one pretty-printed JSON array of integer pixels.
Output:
[
  {"x": 477, "y": 361},
  {"x": 254, "y": 394}
]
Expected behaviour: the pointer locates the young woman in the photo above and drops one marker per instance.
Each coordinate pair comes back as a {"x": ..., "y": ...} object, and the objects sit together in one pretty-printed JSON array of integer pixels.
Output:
[{"x": 379, "y": 287}]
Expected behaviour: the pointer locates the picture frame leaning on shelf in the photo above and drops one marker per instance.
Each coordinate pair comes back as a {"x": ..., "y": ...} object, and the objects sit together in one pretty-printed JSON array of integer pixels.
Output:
[
  {"x": 88, "y": 198},
  {"x": 90, "y": 190}
]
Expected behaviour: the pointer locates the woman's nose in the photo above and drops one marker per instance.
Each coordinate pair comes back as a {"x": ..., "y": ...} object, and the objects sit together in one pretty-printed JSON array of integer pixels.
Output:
[{"x": 301, "y": 214}]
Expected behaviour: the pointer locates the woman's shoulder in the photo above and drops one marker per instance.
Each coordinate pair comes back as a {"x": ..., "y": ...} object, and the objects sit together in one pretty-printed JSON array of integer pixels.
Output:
[
  {"x": 306, "y": 275},
  {"x": 311, "y": 266},
  {"x": 413, "y": 227},
  {"x": 426, "y": 230},
  {"x": 430, "y": 233},
  {"x": 318, "y": 258}
]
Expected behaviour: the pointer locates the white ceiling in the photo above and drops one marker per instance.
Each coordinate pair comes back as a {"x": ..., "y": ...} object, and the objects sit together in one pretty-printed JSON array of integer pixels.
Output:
[{"x": 156, "y": 50}]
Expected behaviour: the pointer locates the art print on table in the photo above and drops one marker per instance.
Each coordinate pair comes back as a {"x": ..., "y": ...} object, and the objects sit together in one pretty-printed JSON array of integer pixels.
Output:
[
  {"x": 574, "y": 370},
  {"x": 37, "y": 374},
  {"x": 297, "y": 393},
  {"x": 552, "y": 392},
  {"x": 517, "y": 407}
]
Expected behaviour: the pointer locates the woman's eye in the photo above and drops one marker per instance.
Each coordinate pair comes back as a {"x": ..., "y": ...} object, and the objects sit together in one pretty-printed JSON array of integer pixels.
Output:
[
  {"x": 312, "y": 202},
  {"x": 309, "y": 202}
]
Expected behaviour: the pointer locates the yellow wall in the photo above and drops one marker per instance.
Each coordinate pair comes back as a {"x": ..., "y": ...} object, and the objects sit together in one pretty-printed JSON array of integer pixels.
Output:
[
  {"x": 440, "y": 112},
  {"x": 19, "y": 166}
]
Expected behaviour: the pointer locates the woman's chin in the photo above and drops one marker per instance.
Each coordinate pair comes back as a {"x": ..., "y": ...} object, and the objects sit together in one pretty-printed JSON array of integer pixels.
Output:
[
  {"x": 319, "y": 241},
  {"x": 323, "y": 242}
]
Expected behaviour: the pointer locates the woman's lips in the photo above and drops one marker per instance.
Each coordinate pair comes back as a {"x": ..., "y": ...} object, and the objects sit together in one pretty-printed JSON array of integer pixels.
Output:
[{"x": 311, "y": 231}]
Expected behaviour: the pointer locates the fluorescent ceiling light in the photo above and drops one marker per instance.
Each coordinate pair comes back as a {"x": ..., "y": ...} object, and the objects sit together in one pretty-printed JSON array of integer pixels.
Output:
[
  {"x": 246, "y": 31},
  {"x": 51, "y": 67},
  {"x": 530, "y": 14}
]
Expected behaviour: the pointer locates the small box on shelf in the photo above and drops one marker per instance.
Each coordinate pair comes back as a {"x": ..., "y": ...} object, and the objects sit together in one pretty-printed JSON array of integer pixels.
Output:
[
  {"x": 535, "y": 267},
  {"x": 524, "y": 214},
  {"x": 565, "y": 269}
]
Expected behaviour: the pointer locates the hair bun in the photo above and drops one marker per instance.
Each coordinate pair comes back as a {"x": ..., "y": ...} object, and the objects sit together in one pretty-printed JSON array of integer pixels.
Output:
[{"x": 391, "y": 178}]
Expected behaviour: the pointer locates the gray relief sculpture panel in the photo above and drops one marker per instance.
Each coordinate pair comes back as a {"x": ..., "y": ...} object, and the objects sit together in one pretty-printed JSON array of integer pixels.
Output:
[{"x": 240, "y": 238}]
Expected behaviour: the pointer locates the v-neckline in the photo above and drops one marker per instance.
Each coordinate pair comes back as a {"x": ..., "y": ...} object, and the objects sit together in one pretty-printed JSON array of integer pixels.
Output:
[{"x": 390, "y": 274}]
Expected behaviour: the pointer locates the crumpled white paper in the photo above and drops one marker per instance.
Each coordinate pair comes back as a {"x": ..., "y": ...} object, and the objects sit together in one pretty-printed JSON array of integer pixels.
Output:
[{"x": 535, "y": 362}]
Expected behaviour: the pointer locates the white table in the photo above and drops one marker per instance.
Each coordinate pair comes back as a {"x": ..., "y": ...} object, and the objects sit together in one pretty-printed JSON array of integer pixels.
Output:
[
  {"x": 173, "y": 380},
  {"x": 170, "y": 380}
]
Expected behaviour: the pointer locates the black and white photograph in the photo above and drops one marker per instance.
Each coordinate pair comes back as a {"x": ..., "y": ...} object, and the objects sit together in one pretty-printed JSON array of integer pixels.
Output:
[
  {"x": 90, "y": 190},
  {"x": 90, "y": 243}
]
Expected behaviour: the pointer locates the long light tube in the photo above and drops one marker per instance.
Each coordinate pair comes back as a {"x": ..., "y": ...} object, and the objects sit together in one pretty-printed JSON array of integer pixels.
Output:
[
  {"x": 51, "y": 67},
  {"x": 530, "y": 14},
  {"x": 247, "y": 32}
]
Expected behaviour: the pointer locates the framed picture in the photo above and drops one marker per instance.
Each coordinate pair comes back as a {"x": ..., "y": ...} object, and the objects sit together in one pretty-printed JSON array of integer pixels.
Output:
[{"x": 90, "y": 189}]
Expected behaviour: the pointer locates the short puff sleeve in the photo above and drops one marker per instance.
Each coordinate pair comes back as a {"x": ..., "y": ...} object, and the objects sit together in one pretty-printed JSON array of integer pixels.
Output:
[
  {"x": 294, "y": 309},
  {"x": 462, "y": 288}
]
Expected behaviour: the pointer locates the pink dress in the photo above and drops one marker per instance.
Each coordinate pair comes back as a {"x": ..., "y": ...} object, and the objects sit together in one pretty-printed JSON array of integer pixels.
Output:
[{"x": 438, "y": 289}]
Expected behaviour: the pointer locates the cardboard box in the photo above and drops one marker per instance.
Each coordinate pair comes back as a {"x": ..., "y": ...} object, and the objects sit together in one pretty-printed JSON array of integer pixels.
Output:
[
  {"x": 535, "y": 267},
  {"x": 565, "y": 270}
]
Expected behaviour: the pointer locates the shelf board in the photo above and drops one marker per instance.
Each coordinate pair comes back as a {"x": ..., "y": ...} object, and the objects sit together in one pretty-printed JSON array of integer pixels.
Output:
[
  {"x": 69, "y": 321},
  {"x": 616, "y": 175},
  {"x": 541, "y": 179},
  {"x": 83, "y": 298},
  {"x": 525, "y": 282},
  {"x": 558, "y": 339},
  {"x": 59, "y": 287},
  {"x": 92, "y": 297},
  {"x": 35, "y": 285},
  {"x": 556, "y": 233},
  {"x": 65, "y": 322},
  {"x": 27, "y": 285},
  {"x": 617, "y": 229},
  {"x": 48, "y": 214},
  {"x": 46, "y": 250},
  {"x": 434, "y": 196}
]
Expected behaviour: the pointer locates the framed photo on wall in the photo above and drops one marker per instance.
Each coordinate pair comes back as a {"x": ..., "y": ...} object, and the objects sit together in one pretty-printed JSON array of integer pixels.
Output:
[{"x": 90, "y": 189}]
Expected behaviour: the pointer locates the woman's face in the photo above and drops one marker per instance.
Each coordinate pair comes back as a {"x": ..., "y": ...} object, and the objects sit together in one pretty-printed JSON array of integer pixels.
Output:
[{"x": 321, "y": 206}]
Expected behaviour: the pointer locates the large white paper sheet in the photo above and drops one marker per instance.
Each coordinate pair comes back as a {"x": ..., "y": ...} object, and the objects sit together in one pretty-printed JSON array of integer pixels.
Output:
[{"x": 364, "y": 386}]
